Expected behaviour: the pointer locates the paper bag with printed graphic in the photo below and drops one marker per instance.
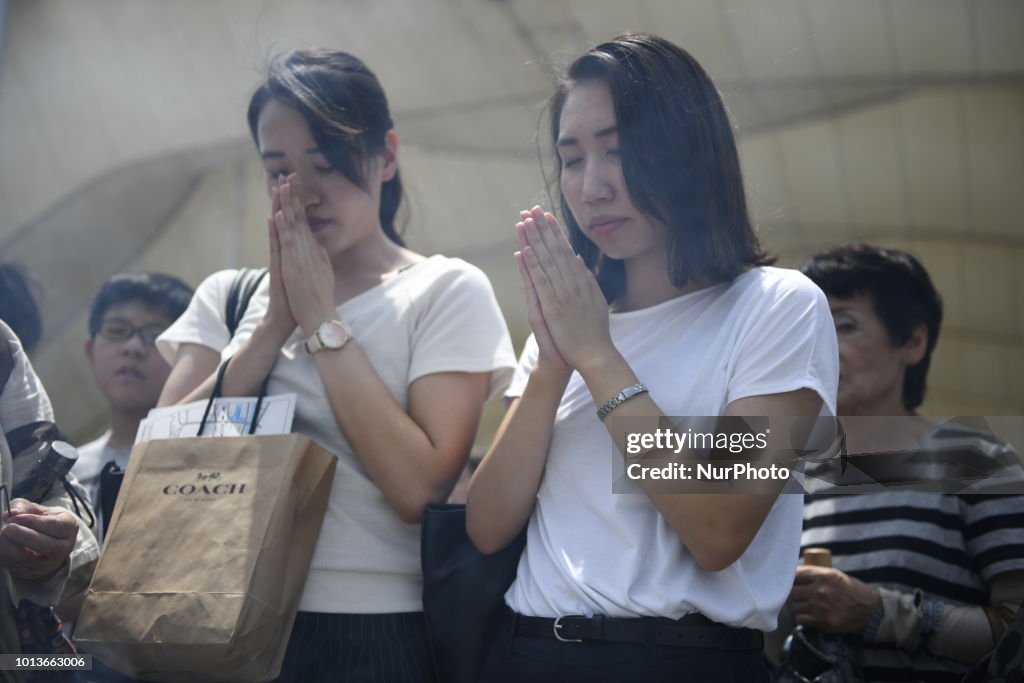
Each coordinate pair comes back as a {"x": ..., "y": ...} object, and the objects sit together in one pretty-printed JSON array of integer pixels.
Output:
[{"x": 206, "y": 557}]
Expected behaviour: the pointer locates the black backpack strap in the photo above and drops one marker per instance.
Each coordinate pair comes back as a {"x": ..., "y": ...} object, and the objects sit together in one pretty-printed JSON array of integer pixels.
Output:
[
  {"x": 6, "y": 361},
  {"x": 242, "y": 288}
]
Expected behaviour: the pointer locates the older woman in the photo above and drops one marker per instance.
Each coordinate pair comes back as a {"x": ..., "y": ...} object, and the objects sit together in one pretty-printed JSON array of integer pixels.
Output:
[{"x": 927, "y": 580}]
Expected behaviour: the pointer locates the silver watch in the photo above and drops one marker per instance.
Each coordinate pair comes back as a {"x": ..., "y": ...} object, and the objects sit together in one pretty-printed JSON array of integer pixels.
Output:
[{"x": 331, "y": 335}]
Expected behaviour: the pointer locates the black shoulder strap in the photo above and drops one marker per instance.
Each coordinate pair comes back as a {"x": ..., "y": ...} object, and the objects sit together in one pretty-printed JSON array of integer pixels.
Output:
[
  {"x": 242, "y": 288},
  {"x": 111, "y": 478},
  {"x": 6, "y": 361}
]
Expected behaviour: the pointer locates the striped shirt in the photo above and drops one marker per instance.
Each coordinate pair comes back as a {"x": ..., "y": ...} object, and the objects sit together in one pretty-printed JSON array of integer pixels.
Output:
[{"x": 949, "y": 546}]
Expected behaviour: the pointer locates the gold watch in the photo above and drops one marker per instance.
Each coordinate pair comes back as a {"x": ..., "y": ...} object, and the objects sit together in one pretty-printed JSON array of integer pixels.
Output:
[{"x": 331, "y": 335}]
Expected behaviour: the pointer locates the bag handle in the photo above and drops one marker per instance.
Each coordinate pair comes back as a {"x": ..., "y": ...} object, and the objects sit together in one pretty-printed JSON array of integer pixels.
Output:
[{"x": 217, "y": 391}]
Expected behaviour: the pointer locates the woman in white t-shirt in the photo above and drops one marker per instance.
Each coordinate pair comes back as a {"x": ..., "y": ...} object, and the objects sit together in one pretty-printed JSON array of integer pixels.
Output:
[
  {"x": 392, "y": 356},
  {"x": 670, "y": 309}
]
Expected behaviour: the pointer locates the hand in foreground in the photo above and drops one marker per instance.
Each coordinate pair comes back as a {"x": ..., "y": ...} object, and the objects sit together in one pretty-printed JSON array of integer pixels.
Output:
[
  {"x": 548, "y": 357},
  {"x": 279, "y": 313},
  {"x": 306, "y": 270},
  {"x": 36, "y": 540},
  {"x": 832, "y": 601},
  {"x": 574, "y": 311}
]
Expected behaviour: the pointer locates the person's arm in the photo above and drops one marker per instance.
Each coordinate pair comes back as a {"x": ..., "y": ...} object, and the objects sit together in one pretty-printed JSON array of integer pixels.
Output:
[
  {"x": 503, "y": 491},
  {"x": 504, "y": 487},
  {"x": 968, "y": 633},
  {"x": 715, "y": 528},
  {"x": 37, "y": 542},
  {"x": 195, "y": 372},
  {"x": 832, "y": 601},
  {"x": 413, "y": 457},
  {"x": 85, "y": 555},
  {"x": 195, "y": 366},
  {"x": 48, "y": 547}
]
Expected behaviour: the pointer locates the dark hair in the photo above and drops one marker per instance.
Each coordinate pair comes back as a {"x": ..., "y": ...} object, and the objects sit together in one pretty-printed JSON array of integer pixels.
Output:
[
  {"x": 18, "y": 308},
  {"x": 678, "y": 157},
  {"x": 346, "y": 110},
  {"x": 901, "y": 292},
  {"x": 156, "y": 290}
]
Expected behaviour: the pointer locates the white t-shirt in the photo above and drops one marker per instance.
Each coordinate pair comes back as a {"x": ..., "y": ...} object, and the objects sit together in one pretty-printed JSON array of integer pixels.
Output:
[
  {"x": 439, "y": 315},
  {"x": 592, "y": 551}
]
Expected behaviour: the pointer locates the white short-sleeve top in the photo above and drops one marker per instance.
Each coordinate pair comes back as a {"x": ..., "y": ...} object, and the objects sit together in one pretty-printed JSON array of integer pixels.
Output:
[
  {"x": 593, "y": 551},
  {"x": 438, "y": 315}
]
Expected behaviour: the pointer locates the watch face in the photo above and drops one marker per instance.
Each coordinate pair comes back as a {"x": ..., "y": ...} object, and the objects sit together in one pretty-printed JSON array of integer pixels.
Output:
[{"x": 332, "y": 334}]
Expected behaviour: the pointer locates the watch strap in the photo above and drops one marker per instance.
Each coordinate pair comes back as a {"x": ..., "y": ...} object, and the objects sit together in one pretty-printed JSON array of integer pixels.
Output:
[{"x": 316, "y": 341}]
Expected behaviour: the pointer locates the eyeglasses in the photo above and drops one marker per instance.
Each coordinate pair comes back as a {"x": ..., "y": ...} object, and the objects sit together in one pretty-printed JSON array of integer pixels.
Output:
[{"x": 120, "y": 331}]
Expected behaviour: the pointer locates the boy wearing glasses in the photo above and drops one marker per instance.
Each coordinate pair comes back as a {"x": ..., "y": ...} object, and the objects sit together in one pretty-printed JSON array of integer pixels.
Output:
[{"x": 127, "y": 315}]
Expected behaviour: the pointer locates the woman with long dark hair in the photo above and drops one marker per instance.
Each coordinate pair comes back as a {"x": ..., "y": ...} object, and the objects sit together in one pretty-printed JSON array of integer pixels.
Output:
[
  {"x": 660, "y": 303},
  {"x": 391, "y": 354}
]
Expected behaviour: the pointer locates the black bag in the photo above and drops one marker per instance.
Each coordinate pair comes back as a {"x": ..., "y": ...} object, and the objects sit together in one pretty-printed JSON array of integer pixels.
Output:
[
  {"x": 1005, "y": 664},
  {"x": 111, "y": 478},
  {"x": 463, "y": 592},
  {"x": 813, "y": 657}
]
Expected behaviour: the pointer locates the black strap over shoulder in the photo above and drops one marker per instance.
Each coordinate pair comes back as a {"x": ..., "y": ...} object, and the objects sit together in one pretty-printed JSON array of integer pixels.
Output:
[
  {"x": 242, "y": 288},
  {"x": 111, "y": 478},
  {"x": 6, "y": 361}
]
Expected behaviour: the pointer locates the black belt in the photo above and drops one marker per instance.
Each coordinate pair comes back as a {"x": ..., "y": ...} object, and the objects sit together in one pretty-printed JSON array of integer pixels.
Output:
[{"x": 693, "y": 630}]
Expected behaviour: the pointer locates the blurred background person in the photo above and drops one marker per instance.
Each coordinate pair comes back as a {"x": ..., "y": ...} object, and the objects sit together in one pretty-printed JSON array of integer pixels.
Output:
[
  {"x": 46, "y": 553},
  {"x": 127, "y": 315},
  {"x": 927, "y": 580},
  {"x": 18, "y": 305}
]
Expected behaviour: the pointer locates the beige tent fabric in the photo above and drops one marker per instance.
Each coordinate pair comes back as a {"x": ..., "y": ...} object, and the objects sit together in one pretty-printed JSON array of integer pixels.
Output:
[{"x": 891, "y": 121}]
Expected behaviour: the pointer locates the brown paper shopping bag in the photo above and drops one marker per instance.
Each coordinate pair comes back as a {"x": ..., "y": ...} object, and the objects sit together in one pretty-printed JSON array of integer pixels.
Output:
[{"x": 206, "y": 557}]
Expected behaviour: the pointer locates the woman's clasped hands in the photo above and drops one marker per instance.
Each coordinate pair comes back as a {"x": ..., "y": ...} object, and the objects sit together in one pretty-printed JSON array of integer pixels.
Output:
[
  {"x": 566, "y": 308},
  {"x": 301, "y": 274}
]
